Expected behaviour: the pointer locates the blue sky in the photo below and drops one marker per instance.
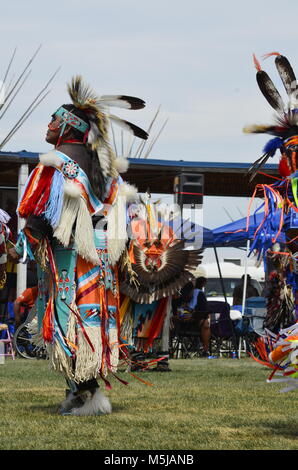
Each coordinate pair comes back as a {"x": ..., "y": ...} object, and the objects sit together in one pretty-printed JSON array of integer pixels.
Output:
[{"x": 194, "y": 58}]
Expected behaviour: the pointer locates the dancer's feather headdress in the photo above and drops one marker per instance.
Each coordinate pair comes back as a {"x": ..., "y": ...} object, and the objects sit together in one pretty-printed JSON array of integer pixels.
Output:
[
  {"x": 96, "y": 108},
  {"x": 285, "y": 127}
]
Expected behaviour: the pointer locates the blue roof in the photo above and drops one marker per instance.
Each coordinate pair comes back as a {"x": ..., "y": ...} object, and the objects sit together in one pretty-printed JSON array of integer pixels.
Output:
[
  {"x": 21, "y": 153},
  {"x": 200, "y": 164},
  {"x": 157, "y": 162}
]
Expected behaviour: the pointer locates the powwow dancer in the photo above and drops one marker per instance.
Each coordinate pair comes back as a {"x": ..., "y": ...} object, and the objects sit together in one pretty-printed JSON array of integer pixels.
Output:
[
  {"x": 74, "y": 204},
  {"x": 156, "y": 266},
  {"x": 281, "y": 208}
]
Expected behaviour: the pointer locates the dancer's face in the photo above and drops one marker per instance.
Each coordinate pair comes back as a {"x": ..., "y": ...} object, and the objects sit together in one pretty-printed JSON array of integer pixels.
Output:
[{"x": 54, "y": 129}]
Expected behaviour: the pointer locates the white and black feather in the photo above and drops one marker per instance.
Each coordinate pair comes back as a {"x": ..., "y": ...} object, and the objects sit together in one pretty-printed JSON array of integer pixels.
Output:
[
  {"x": 121, "y": 101},
  {"x": 129, "y": 126}
]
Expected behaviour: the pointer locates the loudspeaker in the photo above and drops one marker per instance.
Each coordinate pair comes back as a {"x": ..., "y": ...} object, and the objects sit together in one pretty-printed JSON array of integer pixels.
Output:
[{"x": 188, "y": 189}]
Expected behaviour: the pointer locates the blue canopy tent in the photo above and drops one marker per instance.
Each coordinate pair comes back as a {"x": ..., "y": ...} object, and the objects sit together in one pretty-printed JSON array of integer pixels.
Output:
[
  {"x": 201, "y": 237},
  {"x": 192, "y": 233},
  {"x": 235, "y": 235},
  {"x": 208, "y": 238}
]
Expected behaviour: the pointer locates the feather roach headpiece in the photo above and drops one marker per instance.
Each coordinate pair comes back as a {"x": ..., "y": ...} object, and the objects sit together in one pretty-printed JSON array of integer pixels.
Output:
[
  {"x": 96, "y": 108},
  {"x": 285, "y": 128}
]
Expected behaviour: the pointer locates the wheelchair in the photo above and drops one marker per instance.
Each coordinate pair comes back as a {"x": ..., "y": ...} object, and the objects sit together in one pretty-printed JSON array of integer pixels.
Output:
[{"x": 22, "y": 338}]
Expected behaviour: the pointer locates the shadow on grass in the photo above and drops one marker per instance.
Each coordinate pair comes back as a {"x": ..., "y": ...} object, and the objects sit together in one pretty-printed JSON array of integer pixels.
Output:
[
  {"x": 46, "y": 409},
  {"x": 281, "y": 428}
]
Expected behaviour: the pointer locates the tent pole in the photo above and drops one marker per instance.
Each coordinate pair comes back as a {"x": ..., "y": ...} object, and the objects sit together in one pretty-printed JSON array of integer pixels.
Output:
[
  {"x": 219, "y": 270},
  {"x": 245, "y": 277},
  {"x": 244, "y": 289},
  {"x": 234, "y": 340}
]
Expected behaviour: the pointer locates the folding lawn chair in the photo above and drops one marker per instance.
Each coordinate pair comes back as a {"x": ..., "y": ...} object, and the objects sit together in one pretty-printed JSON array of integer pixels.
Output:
[
  {"x": 223, "y": 337},
  {"x": 185, "y": 339},
  {"x": 252, "y": 324}
]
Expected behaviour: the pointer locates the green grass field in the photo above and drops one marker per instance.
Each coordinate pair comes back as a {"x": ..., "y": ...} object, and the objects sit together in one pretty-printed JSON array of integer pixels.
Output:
[{"x": 203, "y": 404}]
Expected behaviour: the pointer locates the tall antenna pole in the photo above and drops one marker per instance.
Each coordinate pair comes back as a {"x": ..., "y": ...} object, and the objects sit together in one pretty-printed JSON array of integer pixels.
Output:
[
  {"x": 21, "y": 76},
  {"x": 29, "y": 110},
  {"x": 15, "y": 94},
  {"x": 122, "y": 144},
  {"x": 154, "y": 141},
  {"x": 130, "y": 148},
  {"x": 142, "y": 144},
  {"x": 231, "y": 219},
  {"x": 114, "y": 140},
  {"x": 21, "y": 121},
  {"x": 8, "y": 68}
]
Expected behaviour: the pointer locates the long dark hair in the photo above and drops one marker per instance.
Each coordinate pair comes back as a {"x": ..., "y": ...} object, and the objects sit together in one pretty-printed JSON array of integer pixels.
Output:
[
  {"x": 187, "y": 292},
  {"x": 97, "y": 180}
]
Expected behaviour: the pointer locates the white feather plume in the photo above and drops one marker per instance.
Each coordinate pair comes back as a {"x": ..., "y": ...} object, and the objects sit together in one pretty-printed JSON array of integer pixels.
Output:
[
  {"x": 50, "y": 159},
  {"x": 104, "y": 159},
  {"x": 94, "y": 405},
  {"x": 72, "y": 189},
  {"x": 121, "y": 164},
  {"x": 93, "y": 134},
  {"x": 129, "y": 191}
]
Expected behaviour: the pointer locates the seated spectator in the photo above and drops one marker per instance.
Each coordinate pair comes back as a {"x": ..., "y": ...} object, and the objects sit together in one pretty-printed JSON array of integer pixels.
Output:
[
  {"x": 201, "y": 314},
  {"x": 23, "y": 304},
  {"x": 192, "y": 307},
  {"x": 251, "y": 291},
  {"x": 180, "y": 303}
]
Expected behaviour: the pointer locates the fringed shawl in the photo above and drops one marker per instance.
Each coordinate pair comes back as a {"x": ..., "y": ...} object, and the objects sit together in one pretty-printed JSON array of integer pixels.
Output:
[{"x": 59, "y": 191}]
